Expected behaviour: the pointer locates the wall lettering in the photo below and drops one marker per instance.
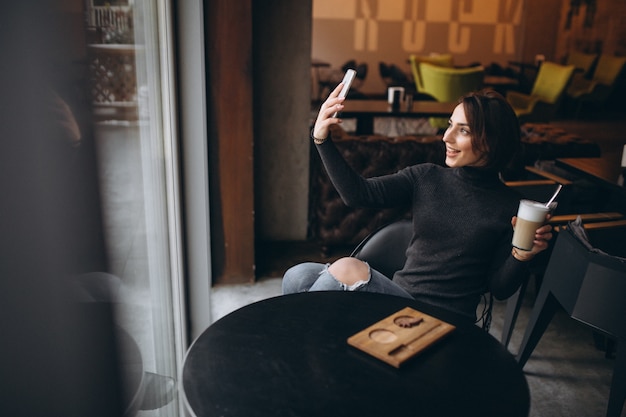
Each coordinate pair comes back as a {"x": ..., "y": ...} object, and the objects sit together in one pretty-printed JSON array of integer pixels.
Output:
[
  {"x": 374, "y": 31},
  {"x": 466, "y": 20}
]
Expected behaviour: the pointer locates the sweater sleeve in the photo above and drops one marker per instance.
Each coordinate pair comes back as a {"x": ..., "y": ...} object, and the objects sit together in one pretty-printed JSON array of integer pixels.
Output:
[
  {"x": 356, "y": 191},
  {"x": 507, "y": 277}
]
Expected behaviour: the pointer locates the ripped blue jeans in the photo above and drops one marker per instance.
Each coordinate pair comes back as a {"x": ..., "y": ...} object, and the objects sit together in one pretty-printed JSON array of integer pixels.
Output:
[{"x": 312, "y": 276}]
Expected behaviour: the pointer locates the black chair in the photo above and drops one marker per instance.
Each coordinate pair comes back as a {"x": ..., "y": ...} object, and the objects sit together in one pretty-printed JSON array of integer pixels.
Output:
[
  {"x": 537, "y": 269},
  {"x": 351, "y": 64},
  {"x": 361, "y": 71},
  {"x": 335, "y": 76},
  {"x": 394, "y": 76},
  {"x": 590, "y": 285},
  {"x": 384, "y": 249}
]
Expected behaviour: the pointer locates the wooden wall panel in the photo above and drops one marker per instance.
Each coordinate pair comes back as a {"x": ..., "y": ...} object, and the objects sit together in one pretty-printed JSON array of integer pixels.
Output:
[{"x": 230, "y": 131}]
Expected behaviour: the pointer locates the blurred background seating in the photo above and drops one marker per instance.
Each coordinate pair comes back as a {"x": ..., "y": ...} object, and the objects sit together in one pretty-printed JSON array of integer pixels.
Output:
[
  {"x": 443, "y": 60},
  {"x": 447, "y": 84},
  {"x": 329, "y": 78},
  {"x": 546, "y": 95},
  {"x": 596, "y": 90}
]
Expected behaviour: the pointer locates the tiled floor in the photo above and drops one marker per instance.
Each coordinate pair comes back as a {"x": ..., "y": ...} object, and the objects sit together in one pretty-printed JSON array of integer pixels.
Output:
[{"x": 228, "y": 298}]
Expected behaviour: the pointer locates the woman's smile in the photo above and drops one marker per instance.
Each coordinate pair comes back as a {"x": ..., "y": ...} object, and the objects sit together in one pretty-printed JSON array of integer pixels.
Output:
[{"x": 451, "y": 151}]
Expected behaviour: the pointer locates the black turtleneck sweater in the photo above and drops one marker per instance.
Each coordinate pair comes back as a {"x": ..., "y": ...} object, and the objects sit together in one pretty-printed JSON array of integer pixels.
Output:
[{"x": 461, "y": 244}]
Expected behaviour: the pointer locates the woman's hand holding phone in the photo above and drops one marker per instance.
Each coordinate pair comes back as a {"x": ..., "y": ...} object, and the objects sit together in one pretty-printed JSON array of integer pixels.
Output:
[{"x": 331, "y": 107}]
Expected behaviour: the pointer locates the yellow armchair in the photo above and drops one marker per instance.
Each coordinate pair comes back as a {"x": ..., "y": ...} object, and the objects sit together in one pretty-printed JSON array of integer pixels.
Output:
[
  {"x": 449, "y": 84},
  {"x": 599, "y": 88},
  {"x": 582, "y": 62},
  {"x": 546, "y": 95},
  {"x": 443, "y": 60}
]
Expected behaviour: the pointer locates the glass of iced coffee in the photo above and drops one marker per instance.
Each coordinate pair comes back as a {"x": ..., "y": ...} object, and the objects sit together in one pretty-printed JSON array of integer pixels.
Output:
[{"x": 530, "y": 216}]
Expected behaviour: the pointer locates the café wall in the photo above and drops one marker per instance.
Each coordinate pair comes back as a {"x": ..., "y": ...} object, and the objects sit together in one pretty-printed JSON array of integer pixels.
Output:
[
  {"x": 472, "y": 31},
  {"x": 373, "y": 31},
  {"x": 595, "y": 26}
]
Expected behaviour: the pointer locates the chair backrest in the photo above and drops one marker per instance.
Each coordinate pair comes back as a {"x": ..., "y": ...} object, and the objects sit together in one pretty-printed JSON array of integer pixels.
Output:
[
  {"x": 581, "y": 61},
  {"x": 448, "y": 84},
  {"x": 608, "y": 69},
  {"x": 385, "y": 249},
  {"x": 443, "y": 60},
  {"x": 361, "y": 71},
  {"x": 590, "y": 286},
  {"x": 552, "y": 80}
]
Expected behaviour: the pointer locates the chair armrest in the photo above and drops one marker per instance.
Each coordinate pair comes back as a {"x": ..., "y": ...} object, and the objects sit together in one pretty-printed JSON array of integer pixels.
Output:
[
  {"x": 529, "y": 183},
  {"x": 517, "y": 99},
  {"x": 598, "y": 225},
  {"x": 605, "y": 217},
  {"x": 604, "y": 225},
  {"x": 599, "y": 93},
  {"x": 548, "y": 175},
  {"x": 582, "y": 87},
  {"x": 523, "y": 104}
]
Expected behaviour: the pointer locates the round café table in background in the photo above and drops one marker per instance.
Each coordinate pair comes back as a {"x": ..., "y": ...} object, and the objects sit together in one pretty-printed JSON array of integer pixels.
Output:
[{"x": 289, "y": 356}]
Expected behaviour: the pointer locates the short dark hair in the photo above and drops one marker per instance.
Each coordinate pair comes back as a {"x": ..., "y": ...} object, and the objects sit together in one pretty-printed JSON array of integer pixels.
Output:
[{"x": 494, "y": 126}]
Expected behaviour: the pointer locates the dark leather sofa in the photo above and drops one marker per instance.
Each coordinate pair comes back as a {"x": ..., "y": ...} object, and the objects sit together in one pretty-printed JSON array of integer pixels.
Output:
[
  {"x": 331, "y": 222},
  {"x": 334, "y": 225}
]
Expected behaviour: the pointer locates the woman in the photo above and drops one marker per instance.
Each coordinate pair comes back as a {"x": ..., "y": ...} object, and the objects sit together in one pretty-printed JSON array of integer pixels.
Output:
[{"x": 462, "y": 214}]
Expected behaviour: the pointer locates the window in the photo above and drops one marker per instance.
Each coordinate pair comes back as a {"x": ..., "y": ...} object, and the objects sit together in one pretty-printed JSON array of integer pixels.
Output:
[{"x": 130, "y": 68}]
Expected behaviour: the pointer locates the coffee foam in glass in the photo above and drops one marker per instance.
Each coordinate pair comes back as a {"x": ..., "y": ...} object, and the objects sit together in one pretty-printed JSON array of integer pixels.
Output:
[{"x": 532, "y": 211}]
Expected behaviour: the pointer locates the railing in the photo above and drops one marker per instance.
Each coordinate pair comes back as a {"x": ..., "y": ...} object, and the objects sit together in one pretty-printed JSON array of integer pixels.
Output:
[
  {"x": 116, "y": 17},
  {"x": 112, "y": 55}
]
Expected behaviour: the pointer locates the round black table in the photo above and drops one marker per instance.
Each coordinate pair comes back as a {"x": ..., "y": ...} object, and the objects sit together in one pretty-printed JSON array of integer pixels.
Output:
[{"x": 289, "y": 356}]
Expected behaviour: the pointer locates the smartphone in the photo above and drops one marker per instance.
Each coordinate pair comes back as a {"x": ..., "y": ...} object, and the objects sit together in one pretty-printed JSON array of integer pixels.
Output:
[{"x": 347, "y": 82}]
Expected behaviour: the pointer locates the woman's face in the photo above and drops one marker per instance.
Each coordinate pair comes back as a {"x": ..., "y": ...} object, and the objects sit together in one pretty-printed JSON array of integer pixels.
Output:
[{"x": 458, "y": 140}]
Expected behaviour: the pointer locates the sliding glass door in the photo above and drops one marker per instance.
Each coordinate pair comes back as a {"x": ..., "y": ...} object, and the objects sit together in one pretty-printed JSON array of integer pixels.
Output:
[{"x": 131, "y": 68}]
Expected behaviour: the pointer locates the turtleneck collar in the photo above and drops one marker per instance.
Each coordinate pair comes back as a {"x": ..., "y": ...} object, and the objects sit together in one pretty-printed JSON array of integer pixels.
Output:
[{"x": 478, "y": 175}]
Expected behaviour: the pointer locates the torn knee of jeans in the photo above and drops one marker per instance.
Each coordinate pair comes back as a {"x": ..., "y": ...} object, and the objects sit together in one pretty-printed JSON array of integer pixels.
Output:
[
  {"x": 325, "y": 270},
  {"x": 357, "y": 285}
]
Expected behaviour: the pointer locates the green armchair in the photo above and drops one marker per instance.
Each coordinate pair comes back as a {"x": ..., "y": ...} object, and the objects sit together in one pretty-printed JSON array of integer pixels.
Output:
[
  {"x": 443, "y": 60},
  {"x": 449, "y": 84},
  {"x": 598, "y": 89},
  {"x": 546, "y": 95}
]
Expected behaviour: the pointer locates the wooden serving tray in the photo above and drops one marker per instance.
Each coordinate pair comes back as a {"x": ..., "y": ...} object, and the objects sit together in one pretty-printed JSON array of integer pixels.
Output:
[{"x": 399, "y": 337}]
